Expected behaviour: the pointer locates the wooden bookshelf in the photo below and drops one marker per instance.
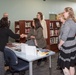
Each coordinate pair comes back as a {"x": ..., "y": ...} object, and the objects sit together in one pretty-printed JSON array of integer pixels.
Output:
[
  {"x": 23, "y": 27},
  {"x": 54, "y": 33}
]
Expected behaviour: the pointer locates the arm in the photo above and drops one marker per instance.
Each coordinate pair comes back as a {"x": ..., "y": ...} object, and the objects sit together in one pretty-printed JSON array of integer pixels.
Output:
[
  {"x": 12, "y": 35},
  {"x": 60, "y": 43},
  {"x": 64, "y": 36},
  {"x": 66, "y": 31}
]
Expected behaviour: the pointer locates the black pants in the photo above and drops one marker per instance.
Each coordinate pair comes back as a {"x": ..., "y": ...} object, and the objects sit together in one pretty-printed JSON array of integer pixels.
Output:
[{"x": 2, "y": 70}]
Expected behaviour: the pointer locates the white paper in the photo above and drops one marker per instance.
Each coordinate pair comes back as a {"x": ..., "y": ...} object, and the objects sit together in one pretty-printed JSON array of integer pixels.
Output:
[
  {"x": 28, "y": 50},
  {"x": 23, "y": 47}
]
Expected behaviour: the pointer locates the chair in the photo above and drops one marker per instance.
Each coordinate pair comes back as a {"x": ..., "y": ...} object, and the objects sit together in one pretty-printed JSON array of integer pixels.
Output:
[{"x": 15, "y": 64}]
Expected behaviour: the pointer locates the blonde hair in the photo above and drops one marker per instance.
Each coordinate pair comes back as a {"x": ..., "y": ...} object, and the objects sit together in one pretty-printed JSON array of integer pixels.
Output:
[
  {"x": 60, "y": 15},
  {"x": 71, "y": 13}
]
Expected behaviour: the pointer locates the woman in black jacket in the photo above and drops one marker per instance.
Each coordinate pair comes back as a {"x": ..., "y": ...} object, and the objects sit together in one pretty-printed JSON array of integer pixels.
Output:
[{"x": 5, "y": 33}]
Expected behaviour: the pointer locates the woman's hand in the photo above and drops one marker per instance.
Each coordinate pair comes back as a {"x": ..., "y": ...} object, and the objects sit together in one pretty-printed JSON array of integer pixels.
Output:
[
  {"x": 60, "y": 43},
  {"x": 23, "y": 35},
  {"x": 32, "y": 37},
  {"x": 59, "y": 46}
]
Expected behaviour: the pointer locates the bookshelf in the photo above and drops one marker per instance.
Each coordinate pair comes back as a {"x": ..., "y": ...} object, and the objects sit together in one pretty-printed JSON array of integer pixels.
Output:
[
  {"x": 54, "y": 33},
  {"x": 22, "y": 27},
  {"x": 48, "y": 33}
]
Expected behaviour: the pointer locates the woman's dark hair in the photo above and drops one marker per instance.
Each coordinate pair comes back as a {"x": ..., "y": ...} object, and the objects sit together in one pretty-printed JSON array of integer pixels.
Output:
[
  {"x": 4, "y": 22},
  {"x": 37, "y": 23},
  {"x": 41, "y": 15}
]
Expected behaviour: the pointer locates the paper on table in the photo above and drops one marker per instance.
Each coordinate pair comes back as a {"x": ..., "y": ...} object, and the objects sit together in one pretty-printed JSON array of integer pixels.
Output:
[
  {"x": 29, "y": 50},
  {"x": 23, "y": 47}
]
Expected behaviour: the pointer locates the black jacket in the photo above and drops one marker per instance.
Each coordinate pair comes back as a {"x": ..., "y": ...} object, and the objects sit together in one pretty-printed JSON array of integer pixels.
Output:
[{"x": 5, "y": 33}]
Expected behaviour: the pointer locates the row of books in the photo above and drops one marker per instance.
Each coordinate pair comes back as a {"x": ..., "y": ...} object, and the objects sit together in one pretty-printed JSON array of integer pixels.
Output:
[
  {"x": 54, "y": 32},
  {"x": 27, "y": 24},
  {"x": 26, "y": 31},
  {"x": 54, "y": 40},
  {"x": 52, "y": 25}
]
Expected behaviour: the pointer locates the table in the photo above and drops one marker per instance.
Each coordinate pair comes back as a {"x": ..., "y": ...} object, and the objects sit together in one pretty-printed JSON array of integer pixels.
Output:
[{"x": 31, "y": 58}]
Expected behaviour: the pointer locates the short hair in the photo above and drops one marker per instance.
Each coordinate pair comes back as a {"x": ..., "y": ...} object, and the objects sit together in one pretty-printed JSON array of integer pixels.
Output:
[
  {"x": 3, "y": 22},
  {"x": 5, "y": 15}
]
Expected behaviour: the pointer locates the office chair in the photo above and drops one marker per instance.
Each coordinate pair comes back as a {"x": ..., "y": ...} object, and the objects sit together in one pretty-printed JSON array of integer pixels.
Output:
[{"x": 15, "y": 64}]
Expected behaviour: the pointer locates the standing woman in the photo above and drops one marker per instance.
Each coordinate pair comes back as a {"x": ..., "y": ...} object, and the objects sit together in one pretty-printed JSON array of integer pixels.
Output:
[
  {"x": 61, "y": 18},
  {"x": 36, "y": 34},
  {"x": 5, "y": 33},
  {"x": 43, "y": 24},
  {"x": 67, "y": 44}
]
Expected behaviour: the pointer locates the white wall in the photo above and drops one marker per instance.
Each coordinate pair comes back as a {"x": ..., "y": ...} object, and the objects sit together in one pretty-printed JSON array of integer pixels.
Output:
[{"x": 27, "y": 9}]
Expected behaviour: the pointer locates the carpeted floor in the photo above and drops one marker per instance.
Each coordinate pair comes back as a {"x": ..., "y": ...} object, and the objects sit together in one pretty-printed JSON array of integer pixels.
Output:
[{"x": 44, "y": 68}]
